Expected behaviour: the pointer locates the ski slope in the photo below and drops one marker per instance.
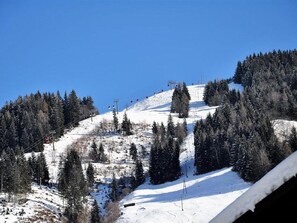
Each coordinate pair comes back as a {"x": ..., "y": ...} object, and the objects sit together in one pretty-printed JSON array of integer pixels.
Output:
[{"x": 192, "y": 198}]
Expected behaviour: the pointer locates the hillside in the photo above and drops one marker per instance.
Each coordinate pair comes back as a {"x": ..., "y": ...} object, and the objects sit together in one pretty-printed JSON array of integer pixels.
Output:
[{"x": 216, "y": 189}]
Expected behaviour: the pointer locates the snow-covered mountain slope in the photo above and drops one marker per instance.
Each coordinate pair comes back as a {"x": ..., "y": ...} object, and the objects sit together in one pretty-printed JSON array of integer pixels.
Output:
[
  {"x": 192, "y": 198},
  {"x": 203, "y": 196},
  {"x": 155, "y": 108}
]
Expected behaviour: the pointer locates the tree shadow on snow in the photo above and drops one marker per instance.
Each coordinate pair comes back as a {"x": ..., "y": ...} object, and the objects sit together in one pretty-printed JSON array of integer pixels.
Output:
[{"x": 204, "y": 185}]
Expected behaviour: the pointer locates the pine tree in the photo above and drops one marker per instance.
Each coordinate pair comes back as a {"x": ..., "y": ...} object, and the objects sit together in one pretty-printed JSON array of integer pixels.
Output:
[
  {"x": 90, "y": 175},
  {"x": 154, "y": 165},
  {"x": 139, "y": 175},
  {"x": 133, "y": 151},
  {"x": 3, "y": 133},
  {"x": 94, "y": 154},
  {"x": 293, "y": 139},
  {"x": 114, "y": 188},
  {"x": 180, "y": 133},
  {"x": 170, "y": 127},
  {"x": 72, "y": 185},
  {"x": 180, "y": 100},
  {"x": 74, "y": 106},
  {"x": 155, "y": 128},
  {"x": 8, "y": 172},
  {"x": 11, "y": 135},
  {"x": 115, "y": 120},
  {"x": 102, "y": 156},
  {"x": 24, "y": 142},
  {"x": 95, "y": 217},
  {"x": 126, "y": 125}
]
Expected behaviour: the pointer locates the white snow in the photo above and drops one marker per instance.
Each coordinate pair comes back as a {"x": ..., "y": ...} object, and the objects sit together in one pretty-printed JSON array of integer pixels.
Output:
[
  {"x": 192, "y": 198},
  {"x": 42, "y": 205},
  {"x": 282, "y": 128},
  {"x": 262, "y": 188},
  {"x": 237, "y": 87},
  {"x": 203, "y": 196}
]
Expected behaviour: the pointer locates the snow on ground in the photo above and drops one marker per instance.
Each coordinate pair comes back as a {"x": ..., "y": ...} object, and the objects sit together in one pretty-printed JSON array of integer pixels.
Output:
[
  {"x": 203, "y": 196},
  {"x": 157, "y": 107},
  {"x": 192, "y": 198},
  {"x": 282, "y": 128},
  {"x": 261, "y": 189},
  {"x": 237, "y": 87},
  {"x": 42, "y": 205},
  {"x": 189, "y": 199}
]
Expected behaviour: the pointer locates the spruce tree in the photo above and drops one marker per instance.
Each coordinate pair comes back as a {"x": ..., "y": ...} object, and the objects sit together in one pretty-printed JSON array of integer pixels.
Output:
[
  {"x": 133, "y": 151},
  {"x": 170, "y": 127},
  {"x": 155, "y": 128},
  {"x": 72, "y": 185},
  {"x": 139, "y": 175},
  {"x": 102, "y": 156},
  {"x": 114, "y": 188},
  {"x": 90, "y": 175},
  {"x": 115, "y": 120},
  {"x": 180, "y": 100},
  {"x": 74, "y": 106},
  {"x": 95, "y": 217},
  {"x": 126, "y": 125},
  {"x": 293, "y": 139}
]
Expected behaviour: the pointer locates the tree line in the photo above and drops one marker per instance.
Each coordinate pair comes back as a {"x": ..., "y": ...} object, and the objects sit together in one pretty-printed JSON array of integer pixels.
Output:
[
  {"x": 26, "y": 122},
  {"x": 240, "y": 133}
]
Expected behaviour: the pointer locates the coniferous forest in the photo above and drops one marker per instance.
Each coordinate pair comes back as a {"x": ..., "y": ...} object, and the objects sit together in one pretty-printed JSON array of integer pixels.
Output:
[
  {"x": 240, "y": 133},
  {"x": 25, "y": 125},
  {"x": 32, "y": 120}
]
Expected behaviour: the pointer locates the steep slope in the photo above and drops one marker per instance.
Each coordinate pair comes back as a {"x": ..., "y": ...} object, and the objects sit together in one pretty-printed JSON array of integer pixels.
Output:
[
  {"x": 192, "y": 198},
  {"x": 202, "y": 196}
]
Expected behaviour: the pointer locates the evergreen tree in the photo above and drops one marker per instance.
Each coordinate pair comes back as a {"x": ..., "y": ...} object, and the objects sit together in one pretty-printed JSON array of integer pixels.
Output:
[
  {"x": 293, "y": 139},
  {"x": 170, "y": 127},
  {"x": 133, "y": 151},
  {"x": 115, "y": 120},
  {"x": 41, "y": 170},
  {"x": 95, "y": 217},
  {"x": 102, "y": 155},
  {"x": 11, "y": 135},
  {"x": 126, "y": 125},
  {"x": 7, "y": 184},
  {"x": 94, "y": 154},
  {"x": 180, "y": 100},
  {"x": 114, "y": 188},
  {"x": 154, "y": 164},
  {"x": 155, "y": 128},
  {"x": 180, "y": 133},
  {"x": 90, "y": 175},
  {"x": 74, "y": 106},
  {"x": 139, "y": 175},
  {"x": 3, "y": 133},
  {"x": 72, "y": 185}
]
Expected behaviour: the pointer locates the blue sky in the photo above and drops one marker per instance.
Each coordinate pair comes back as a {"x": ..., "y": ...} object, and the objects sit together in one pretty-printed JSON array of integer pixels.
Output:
[{"x": 130, "y": 49}]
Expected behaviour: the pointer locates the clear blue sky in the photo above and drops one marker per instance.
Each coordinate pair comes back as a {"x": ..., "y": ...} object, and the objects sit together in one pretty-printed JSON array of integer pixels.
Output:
[{"x": 130, "y": 49}]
